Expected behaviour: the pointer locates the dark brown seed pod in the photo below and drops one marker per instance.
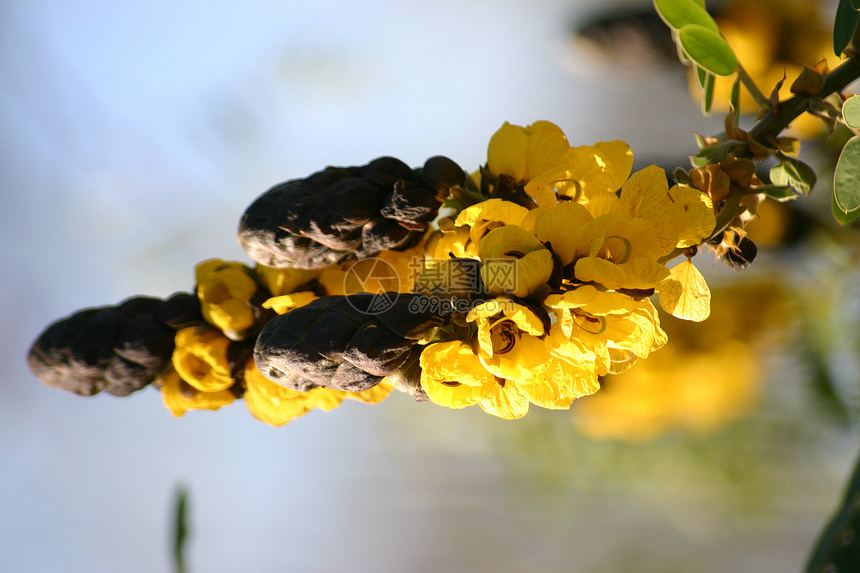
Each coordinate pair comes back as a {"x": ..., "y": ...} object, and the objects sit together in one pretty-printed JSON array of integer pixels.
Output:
[
  {"x": 117, "y": 349},
  {"x": 346, "y": 213},
  {"x": 339, "y": 342}
]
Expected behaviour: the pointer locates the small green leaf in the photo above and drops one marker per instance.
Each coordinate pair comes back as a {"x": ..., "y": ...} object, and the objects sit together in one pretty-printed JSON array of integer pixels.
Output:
[
  {"x": 180, "y": 528},
  {"x": 720, "y": 151},
  {"x": 701, "y": 77},
  {"x": 681, "y": 177},
  {"x": 843, "y": 28},
  {"x": 736, "y": 96},
  {"x": 708, "y": 94},
  {"x": 795, "y": 173},
  {"x": 846, "y": 180},
  {"x": 708, "y": 49},
  {"x": 680, "y": 13},
  {"x": 781, "y": 193},
  {"x": 851, "y": 110}
]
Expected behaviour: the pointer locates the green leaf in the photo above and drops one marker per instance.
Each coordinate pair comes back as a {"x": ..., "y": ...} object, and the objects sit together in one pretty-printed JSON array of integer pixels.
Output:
[
  {"x": 701, "y": 77},
  {"x": 781, "y": 193},
  {"x": 708, "y": 94},
  {"x": 681, "y": 176},
  {"x": 838, "y": 547},
  {"x": 795, "y": 173},
  {"x": 841, "y": 217},
  {"x": 846, "y": 180},
  {"x": 720, "y": 151},
  {"x": 736, "y": 96},
  {"x": 180, "y": 528},
  {"x": 680, "y": 13},
  {"x": 855, "y": 4},
  {"x": 843, "y": 28},
  {"x": 708, "y": 49},
  {"x": 851, "y": 110}
]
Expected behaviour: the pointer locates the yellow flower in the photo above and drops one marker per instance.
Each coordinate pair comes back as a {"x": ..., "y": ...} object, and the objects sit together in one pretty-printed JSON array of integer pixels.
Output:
[
  {"x": 523, "y": 153},
  {"x": 508, "y": 339},
  {"x": 273, "y": 404},
  {"x": 590, "y": 321},
  {"x": 179, "y": 397},
  {"x": 506, "y": 400},
  {"x": 200, "y": 358},
  {"x": 610, "y": 250},
  {"x": 678, "y": 389},
  {"x": 224, "y": 290},
  {"x": 560, "y": 383},
  {"x": 388, "y": 271},
  {"x": 287, "y": 302},
  {"x": 539, "y": 159},
  {"x": 680, "y": 216},
  {"x": 441, "y": 245},
  {"x": 487, "y": 215},
  {"x": 285, "y": 281},
  {"x": 453, "y": 376},
  {"x": 513, "y": 261},
  {"x": 558, "y": 228}
]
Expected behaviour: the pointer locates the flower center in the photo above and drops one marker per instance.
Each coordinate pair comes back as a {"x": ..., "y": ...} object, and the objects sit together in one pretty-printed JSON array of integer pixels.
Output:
[{"x": 504, "y": 335}]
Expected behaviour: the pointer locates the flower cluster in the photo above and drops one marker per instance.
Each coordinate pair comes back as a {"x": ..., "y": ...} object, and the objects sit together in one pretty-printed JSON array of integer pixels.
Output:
[
  {"x": 520, "y": 284},
  {"x": 570, "y": 246},
  {"x": 212, "y": 362}
]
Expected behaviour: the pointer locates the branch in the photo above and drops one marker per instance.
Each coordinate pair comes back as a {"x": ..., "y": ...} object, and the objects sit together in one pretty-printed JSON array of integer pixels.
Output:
[{"x": 773, "y": 123}]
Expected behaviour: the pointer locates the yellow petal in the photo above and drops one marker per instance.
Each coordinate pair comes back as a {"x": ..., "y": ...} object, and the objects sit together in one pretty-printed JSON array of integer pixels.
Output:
[
  {"x": 525, "y": 319},
  {"x": 452, "y": 375},
  {"x": 287, "y": 302},
  {"x": 692, "y": 215},
  {"x": 594, "y": 269},
  {"x": 200, "y": 358},
  {"x": 525, "y": 152},
  {"x": 506, "y": 401},
  {"x": 272, "y": 403},
  {"x": 523, "y": 362},
  {"x": 591, "y": 300},
  {"x": 373, "y": 395},
  {"x": 601, "y": 167},
  {"x": 645, "y": 187},
  {"x": 685, "y": 293},
  {"x": 515, "y": 271},
  {"x": 492, "y": 210},
  {"x": 285, "y": 281},
  {"x": 643, "y": 273},
  {"x": 557, "y": 227},
  {"x": 179, "y": 399}
]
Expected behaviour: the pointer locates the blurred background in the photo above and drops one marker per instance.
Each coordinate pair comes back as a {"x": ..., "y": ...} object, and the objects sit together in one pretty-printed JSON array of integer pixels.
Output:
[{"x": 132, "y": 137}]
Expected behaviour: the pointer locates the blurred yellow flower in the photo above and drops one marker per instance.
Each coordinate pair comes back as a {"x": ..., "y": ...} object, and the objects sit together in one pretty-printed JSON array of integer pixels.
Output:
[
  {"x": 273, "y": 404},
  {"x": 179, "y": 396},
  {"x": 285, "y": 281},
  {"x": 200, "y": 358},
  {"x": 225, "y": 290},
  {"x": 676, "y": 389}
]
